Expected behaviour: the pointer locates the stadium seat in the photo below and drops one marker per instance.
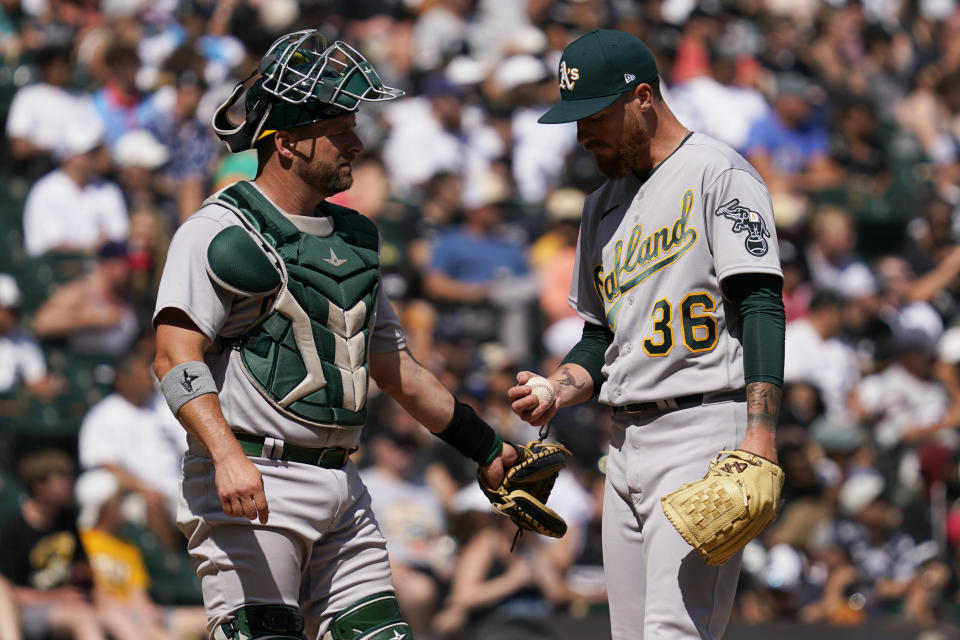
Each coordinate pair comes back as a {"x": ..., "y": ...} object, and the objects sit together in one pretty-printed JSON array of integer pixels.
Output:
[{"x": 11, "y": 493}]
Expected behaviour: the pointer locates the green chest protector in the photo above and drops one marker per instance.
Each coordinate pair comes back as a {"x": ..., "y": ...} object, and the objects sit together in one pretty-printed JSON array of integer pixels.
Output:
[{"x": 308, "y": 353}]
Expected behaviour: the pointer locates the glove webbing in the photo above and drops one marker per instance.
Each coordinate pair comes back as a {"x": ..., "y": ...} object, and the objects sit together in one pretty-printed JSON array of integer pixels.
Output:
[{"x": 543, "y": 433}]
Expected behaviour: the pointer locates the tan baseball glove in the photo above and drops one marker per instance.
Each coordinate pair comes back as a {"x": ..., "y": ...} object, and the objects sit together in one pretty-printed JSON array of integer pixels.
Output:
[{"x": 727, "y": 508}]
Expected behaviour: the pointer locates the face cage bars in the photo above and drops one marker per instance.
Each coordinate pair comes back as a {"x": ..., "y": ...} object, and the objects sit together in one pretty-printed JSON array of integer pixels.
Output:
[{"x": 296, "y": 86}]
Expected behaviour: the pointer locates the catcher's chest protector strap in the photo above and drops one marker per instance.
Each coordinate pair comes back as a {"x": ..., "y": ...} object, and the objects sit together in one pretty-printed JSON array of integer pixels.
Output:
[
  {"x": 307, "y": 355},
  {"x": 263, "y": 622},
  {"x": 374, "y": 618}
]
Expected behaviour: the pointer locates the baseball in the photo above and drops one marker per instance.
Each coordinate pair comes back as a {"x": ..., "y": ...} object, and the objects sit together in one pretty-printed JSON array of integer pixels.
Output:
[{"x": 542, "y": 388}]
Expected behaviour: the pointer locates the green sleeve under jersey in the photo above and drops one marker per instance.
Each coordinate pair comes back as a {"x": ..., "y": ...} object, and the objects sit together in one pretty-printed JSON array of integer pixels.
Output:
[{"x": 758, "y": 297}]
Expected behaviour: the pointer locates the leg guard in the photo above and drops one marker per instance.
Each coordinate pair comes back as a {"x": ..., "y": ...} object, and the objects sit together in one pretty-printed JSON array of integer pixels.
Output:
[
  {"x": 374, "y": 618},
  {"x": 263, "y": 622}
]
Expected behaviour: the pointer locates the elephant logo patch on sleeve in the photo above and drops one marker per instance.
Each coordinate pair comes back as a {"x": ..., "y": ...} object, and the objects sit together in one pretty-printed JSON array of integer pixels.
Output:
[{"x": 748, "y": 221}]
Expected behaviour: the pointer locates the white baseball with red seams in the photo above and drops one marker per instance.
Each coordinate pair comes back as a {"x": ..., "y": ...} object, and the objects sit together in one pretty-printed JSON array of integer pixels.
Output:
[{"x": 542, "y": 389}]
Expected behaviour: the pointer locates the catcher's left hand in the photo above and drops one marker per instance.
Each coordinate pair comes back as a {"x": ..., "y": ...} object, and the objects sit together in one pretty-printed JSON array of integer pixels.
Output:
[
  {"x": 526, "y": 485},
  {"x": 727, "y": 508}
]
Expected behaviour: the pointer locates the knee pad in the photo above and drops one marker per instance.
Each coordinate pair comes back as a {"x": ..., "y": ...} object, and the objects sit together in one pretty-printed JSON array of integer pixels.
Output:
[
  {"x": 374, "y": 618},
  {"x": 263, "y": 622}
]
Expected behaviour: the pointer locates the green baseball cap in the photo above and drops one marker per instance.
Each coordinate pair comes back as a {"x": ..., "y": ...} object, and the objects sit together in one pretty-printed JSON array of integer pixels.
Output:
[{"x": 595, "y": 69}]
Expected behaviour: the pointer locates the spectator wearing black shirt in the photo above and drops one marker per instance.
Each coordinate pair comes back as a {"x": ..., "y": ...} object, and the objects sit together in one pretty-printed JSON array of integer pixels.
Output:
[
  {"x": 42, "y": 555},
  {"x": 891, "y": 568},
  {"x": 858, "y": 145}
]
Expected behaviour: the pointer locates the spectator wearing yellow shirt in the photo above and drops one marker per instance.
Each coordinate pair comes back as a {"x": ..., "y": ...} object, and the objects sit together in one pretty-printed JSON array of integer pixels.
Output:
[{"x": 120, "y": 575}]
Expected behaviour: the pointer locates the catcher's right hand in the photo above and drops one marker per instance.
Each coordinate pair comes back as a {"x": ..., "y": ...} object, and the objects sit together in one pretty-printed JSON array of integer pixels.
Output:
[
  {"x": 523, "y": 494},
  {"x": 727, "y": 508}
]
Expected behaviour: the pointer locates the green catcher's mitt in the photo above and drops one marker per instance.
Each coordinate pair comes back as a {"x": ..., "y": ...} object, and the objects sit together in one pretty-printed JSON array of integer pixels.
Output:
[
  {"x": 523, "y": 494},
  {"x": 727, "y": 508}
]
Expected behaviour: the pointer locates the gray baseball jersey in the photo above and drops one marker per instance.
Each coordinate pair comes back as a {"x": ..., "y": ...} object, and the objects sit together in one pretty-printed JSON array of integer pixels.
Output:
[
  {"x": 322, "y": 549},
  {"x": 650, "y": 260}
]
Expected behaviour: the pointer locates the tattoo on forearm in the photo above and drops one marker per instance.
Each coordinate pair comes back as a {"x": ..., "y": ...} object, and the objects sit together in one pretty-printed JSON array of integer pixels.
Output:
[
  {"x": 567, "y": 379},
  {"x": 763, "y": 405}
]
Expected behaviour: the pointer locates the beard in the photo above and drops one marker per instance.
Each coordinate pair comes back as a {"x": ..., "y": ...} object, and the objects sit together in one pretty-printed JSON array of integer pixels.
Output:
[
  {"x": 327, "y": 177},
  {"x": 629, "y": 155}
]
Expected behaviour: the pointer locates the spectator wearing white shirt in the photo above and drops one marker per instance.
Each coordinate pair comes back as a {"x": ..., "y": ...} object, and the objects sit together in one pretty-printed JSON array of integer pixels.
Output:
[
  {"x": 21, "y": 360},
  {"x": 715, "y": 105},
  {"x": 439, "y": 133},
  {"x": 72, "y": 208},
  {"x": 539, "y": 153},
  {"x": 132, "y": 433},
  {"x": 905, "y": 404},
  {"x": 42, "y": 114},
  {"x": 813, "y": 353},
  {"x": 440, "y": 31}
]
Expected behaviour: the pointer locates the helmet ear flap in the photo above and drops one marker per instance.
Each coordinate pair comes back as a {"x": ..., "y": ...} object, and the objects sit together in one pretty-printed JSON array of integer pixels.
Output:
[{"x": 240, "y": 137}]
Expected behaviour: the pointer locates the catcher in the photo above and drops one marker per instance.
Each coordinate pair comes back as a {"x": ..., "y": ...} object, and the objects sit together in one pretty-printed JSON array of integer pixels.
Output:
[
  {"x": 678, "y": 281},
  {"x": 270, "y": 321}
]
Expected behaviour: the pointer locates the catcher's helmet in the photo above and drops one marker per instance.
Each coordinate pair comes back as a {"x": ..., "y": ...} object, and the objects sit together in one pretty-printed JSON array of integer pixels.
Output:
[{"x": 300, "y": 80}]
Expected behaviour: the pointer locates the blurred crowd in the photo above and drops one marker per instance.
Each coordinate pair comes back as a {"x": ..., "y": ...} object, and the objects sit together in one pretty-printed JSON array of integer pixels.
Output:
[{"x": 850, "y": 110}]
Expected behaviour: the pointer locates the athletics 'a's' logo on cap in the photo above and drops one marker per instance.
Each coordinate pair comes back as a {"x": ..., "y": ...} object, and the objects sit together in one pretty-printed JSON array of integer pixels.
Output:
[
  {"x": 595, "y": 69},
  {"x": 568, "y": 76}
]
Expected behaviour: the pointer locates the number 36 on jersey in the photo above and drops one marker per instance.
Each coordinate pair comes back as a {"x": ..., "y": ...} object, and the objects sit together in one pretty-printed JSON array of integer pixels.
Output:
[{"x": 698, "y": 329}]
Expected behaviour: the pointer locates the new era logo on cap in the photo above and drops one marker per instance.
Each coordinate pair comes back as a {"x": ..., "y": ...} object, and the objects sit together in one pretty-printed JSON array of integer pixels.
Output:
[{"x": 595, "y": 69}]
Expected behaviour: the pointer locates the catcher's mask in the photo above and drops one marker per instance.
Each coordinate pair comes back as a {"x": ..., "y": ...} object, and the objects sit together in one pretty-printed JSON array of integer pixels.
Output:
[{"x": 301, "y": 80}]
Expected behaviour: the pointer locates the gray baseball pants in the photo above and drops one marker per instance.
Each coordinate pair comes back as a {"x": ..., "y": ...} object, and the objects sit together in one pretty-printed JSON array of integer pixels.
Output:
[
  {"x": 321, "y": 549},
  {"x": 658, "y": 587}
]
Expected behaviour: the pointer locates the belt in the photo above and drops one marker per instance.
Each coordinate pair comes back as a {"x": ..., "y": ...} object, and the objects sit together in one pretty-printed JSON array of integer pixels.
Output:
[
  {"x": 268, "y": 447},
  {"x": 680, "y": 402}
]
